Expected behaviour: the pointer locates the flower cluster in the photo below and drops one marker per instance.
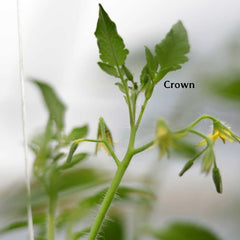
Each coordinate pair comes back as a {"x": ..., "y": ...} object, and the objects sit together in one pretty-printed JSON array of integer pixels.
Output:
[{"x": 166, "y": 139}]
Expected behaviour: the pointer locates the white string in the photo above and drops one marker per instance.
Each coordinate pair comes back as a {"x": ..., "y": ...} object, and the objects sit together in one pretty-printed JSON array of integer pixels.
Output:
[{"x": 25, "y": 139}]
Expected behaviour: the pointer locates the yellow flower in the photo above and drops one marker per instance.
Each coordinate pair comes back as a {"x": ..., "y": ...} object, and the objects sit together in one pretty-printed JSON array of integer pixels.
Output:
[
  {"x": 220, "y": 131},
  {"x": 166, "y": 139}
]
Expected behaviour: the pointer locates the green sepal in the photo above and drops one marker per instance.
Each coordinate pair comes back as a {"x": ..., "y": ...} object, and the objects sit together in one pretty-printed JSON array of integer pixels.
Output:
[
  {"x": 208, "y": 160},
  {"x": 103, "y": 134}
]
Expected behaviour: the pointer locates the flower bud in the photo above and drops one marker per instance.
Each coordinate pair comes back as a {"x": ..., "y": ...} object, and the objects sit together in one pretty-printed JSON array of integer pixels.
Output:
[
  {"x": 187, "y": 166},
  {"x": 217, "y": 179},
  {"x": 103, "y": 134}
]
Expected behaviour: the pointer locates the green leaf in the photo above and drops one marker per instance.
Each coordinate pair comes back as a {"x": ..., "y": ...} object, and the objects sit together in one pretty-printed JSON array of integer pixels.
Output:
[
  {"x": 78, "y": 235},
  {"x": 111, "y": 46},
  {"x": 43, "y": 150},
  {"x": 108, "y": 69},
  {"x": 184, "y": 231},
  {"x": 37, "y": 219},
  {"x": 226, "y": 86},
  {"x": 75, "y": 160},
  {"x": 14, "y": 226},
  {"x": 55, "y": 106},
  {"x": 121, "y": 87},
  {"x": 145, "y": 77},
  {"x": 171, "y": 51},
  {"x": 127, "y": 73},
  {"x": 152, "y": 63},
  {"x": 82, "y": 178},
  {"x": 78, "y": 133},
  {"x": 149, "y": 90}
]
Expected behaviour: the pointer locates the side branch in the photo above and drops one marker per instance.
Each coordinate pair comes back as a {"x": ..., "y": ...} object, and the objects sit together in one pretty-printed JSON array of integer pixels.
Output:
[{"x": 143, "y": 148}]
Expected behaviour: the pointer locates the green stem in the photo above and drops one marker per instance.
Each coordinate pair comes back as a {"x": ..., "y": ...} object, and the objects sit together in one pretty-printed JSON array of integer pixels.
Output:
[
  {"x": 208, "y": 141},
  {"x": 109, "y": 196},
  {"x": 143, "y": 148},
  {"x": 127, "y": 96},
  {"x": 196, "y": 122},
  {"x": 51, "y": 217},
  {"x": 112, "y": 153},
  {"x": 141, "y": 113}
]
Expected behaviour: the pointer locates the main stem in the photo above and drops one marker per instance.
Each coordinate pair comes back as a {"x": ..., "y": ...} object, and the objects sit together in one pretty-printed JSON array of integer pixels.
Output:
[
  {"x": 113, "y": 188},
  {"x": 51, "y": 217}
]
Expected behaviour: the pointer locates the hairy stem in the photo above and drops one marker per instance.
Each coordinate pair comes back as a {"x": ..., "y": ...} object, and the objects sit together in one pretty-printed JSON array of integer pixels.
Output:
[
  {"x": 113, "y": 188},
  {"x": 107, "y": 201}
]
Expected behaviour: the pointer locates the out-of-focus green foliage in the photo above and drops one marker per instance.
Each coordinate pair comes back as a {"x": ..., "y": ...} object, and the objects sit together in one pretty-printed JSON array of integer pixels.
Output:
[
  {"x": 55, "y": 106},
  {"x": 226, "y": 86},
  {"x": 114, "y": 229},
  {"x": 183, "y": 231},
  {"x": 79, "y": 190}
]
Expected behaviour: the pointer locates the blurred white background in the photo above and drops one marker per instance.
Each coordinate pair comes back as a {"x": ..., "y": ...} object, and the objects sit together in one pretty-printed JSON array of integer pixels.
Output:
[{"x": 60, "y": 47}]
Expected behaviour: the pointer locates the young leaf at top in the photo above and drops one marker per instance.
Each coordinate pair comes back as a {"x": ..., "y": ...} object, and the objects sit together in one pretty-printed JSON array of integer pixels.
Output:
[
  {"x": 152, "y": 63},
  {"x": 172, "y": 49},
  {"x": 145, "y": 77},
  {"x": 127, "y": 73},
  {"x": 55, "y": 106},
  {"x": 111, "y": 46}
]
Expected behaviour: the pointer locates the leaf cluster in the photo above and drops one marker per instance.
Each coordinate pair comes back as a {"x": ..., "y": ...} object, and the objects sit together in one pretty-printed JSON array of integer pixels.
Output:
[{"x": 169, "y": 54}]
